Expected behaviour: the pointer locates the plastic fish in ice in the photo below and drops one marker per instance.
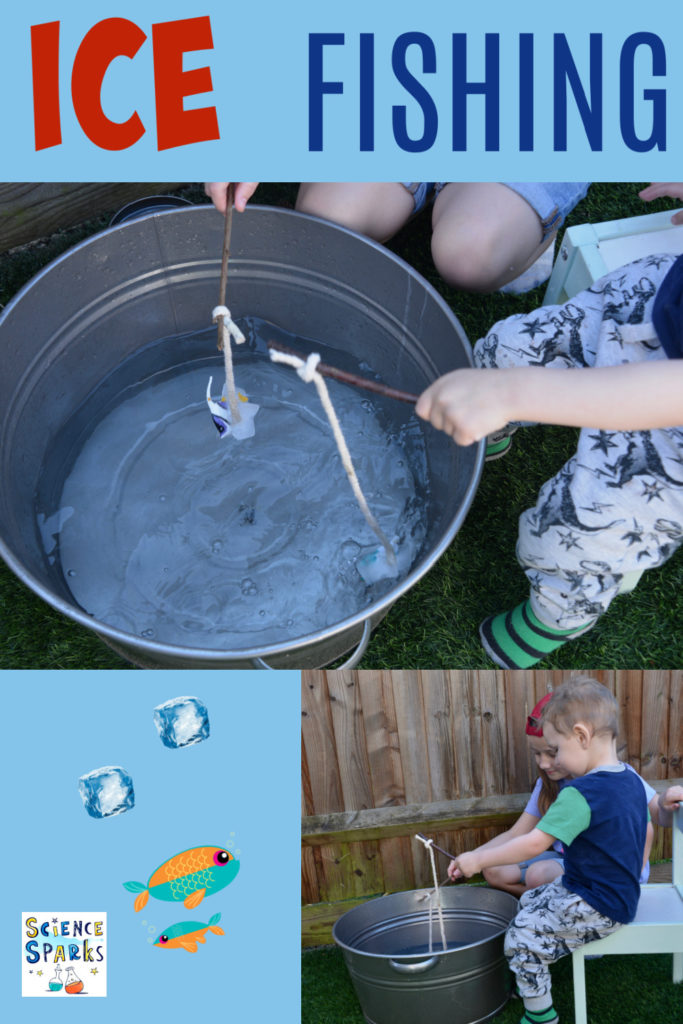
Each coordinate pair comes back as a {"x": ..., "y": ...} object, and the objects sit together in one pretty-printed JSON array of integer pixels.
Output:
[
  {"x": 222, "y": 417},
  {"x": 188, "y": 877},
  {"x": 186, "y": 934}
]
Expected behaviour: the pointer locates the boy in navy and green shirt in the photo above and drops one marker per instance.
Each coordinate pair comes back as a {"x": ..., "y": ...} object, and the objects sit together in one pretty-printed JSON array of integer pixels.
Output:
[{"x": 600, "y": 817}]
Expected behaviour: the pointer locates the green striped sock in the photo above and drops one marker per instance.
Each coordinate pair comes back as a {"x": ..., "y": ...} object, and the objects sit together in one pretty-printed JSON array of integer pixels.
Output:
[
  {"x": 494, "y": 449},
  {"x": 547, "y": 1016},
  {"x": 518, "y": 639}
]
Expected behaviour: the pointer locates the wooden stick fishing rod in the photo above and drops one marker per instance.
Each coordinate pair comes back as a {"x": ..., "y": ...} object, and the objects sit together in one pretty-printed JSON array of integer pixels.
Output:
[{"x": 351, "y": 378}]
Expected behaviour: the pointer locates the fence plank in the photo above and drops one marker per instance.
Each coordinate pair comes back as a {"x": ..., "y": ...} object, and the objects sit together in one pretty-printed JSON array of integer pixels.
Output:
[
  {"x": 654, "y": 729},
  {"x": 349, "y": 732},
  {"x": 629, "y": 694},
  {"x": 494, "y": 772},
  {"x": 466, "y": 737},
  {"x": 319, "y": 743},
  {"x": 382, "y": 737},
  {"x": 437, "y": 702},
  {"x": 30, "y": 210},
  {"x": 470, "y": 812}
]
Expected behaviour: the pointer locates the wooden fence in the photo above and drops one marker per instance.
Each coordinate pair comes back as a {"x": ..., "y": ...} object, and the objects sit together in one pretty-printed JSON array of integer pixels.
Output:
[
  {"x": 30, "y": 210},
  {"x": 388, "y": 753}
]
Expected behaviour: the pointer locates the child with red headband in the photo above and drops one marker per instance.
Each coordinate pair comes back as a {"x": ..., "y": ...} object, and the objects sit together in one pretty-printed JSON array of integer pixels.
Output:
[{"x": 544, "y": 868}]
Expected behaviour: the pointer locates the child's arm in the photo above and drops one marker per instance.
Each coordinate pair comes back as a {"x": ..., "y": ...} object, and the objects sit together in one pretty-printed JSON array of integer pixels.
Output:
[
  {"x": 469, "y": 404},
  {"x": 649, "y": 838},
  {"x": 663, "y": 805},
  {"x": 216, "y": 191},
  {"x": 515, "y": 850}
]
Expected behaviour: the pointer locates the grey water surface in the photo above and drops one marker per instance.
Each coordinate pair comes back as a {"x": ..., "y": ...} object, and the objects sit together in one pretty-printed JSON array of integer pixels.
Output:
[{"x": 165, "y": 530}]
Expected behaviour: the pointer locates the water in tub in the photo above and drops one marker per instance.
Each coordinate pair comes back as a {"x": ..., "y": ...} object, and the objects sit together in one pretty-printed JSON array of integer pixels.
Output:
[{"x": 165, "y": 530}]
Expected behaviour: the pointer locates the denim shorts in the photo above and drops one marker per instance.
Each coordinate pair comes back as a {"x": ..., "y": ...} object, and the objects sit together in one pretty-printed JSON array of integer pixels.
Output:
[
  {"x": 421, "y": 191},
  {"x": 546, "y": 855},
  {"x": 552, "y": 200}
]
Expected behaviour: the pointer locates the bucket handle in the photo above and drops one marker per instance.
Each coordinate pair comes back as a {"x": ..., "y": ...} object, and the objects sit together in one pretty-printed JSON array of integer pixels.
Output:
[
  {"x": 350, "y": 662},
  {"x": 418, "y": 968}
]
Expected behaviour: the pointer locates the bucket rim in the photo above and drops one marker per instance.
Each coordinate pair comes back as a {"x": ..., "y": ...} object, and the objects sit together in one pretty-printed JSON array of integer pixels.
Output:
[
  {"x": 437, "y": 951},
  {"x": 146, "y": 647}
]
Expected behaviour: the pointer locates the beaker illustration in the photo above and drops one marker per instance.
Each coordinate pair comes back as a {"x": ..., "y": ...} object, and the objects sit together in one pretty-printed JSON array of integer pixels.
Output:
[
  {"x": 55, "y": 983},
  {"x": 73, "y": 983}
]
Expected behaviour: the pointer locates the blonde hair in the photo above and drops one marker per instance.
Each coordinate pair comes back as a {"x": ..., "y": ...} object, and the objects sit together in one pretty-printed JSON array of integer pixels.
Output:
[{"x": 582, "y": 699}]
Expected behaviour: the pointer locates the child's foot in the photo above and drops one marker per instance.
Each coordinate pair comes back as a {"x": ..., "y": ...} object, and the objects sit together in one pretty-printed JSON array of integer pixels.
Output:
[
  {"x": 518, "y": 639},
  {"x": 533, "y": 276},
  {"x": 548, "y": 1016},
  {"x": 499, "y": 443}
]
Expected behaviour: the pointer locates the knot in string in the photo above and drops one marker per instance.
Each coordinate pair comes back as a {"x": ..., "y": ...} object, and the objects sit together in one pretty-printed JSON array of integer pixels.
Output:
[
  {"x": 308, "y": 369},
  {"x": 223, "y": 314}
]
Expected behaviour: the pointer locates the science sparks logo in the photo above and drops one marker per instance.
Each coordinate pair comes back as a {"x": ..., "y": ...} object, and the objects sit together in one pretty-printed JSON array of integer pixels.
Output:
[{"x": 63, "y": 953}]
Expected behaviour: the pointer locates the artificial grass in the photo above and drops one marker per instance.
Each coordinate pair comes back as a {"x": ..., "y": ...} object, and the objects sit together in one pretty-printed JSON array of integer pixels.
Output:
[
  {"x": 620, "y": 990},
  {"x": 435, "y": 624}
]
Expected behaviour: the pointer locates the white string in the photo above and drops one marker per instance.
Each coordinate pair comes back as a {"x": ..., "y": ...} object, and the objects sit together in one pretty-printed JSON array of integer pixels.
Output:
[
  {"x": 308, "y": 372},
  {"x": 228, "y": 329},
  {"x": 429, "y": 843}
]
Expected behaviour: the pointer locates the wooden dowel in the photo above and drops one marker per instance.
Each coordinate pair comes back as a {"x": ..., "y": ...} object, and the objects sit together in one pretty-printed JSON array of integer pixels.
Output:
[
  {"x": 227, "y": 233},
  {"x": 451, "y": 856},
  {"x": 351, "y": 378}
]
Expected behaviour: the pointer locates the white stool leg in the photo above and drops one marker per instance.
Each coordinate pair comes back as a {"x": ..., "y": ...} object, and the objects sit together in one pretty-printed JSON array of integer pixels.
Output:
[
  {"x": 578, "y": 968},
  {"x": 678, "y": 967}
]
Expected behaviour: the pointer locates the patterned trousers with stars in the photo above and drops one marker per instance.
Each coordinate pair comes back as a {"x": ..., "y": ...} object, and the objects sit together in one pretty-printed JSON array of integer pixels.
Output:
[
  {"x": 616, "y": 507},
  {"x": 551, "y": 922}
]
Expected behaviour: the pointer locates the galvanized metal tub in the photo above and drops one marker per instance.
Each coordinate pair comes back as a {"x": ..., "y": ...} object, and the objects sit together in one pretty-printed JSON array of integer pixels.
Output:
[
  {"x": 397, "y": 981},
  {"x": 76, "y": 322}
]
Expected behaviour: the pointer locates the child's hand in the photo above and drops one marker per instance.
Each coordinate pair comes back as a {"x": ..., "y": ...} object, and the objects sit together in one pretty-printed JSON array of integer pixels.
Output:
[
  {"x": 672, "y": 798},
  {"x": 673, "y": 189},
  {"x": 454, "y": 871},
  {"x": 467, "y": 404},
  {"x": 216, "y": 191},
  {"x": 467, "y": 864}
]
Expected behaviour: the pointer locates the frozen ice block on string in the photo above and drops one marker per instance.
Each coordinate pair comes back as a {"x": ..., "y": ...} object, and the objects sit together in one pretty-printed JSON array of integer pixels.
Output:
[
  {"x": 106, "y": 791},
  {"x": 221, "y": 414},
  {"x": 182, "y": 721},
  {"x": 376, "y": 563}
]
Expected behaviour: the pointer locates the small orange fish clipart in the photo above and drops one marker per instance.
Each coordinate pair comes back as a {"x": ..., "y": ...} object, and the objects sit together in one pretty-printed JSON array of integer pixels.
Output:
[{"x": 186, "y": 934}]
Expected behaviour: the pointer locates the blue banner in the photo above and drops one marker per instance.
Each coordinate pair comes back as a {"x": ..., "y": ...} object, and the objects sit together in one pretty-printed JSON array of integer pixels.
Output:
[{"x": 359, "y": 91}]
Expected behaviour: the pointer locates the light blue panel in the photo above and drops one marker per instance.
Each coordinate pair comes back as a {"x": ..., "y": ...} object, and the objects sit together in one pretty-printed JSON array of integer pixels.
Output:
[
  {"x": 239, "y": 788},
  {"x": 259, "y": 67}
]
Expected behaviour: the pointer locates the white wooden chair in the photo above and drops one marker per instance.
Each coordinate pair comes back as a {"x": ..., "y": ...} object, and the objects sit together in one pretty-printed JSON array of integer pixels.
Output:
[{"x": 656, "y": 928}]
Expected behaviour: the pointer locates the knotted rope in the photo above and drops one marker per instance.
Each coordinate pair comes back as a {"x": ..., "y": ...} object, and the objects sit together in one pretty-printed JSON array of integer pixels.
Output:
[
  {"x": 227, "y": 329},
  {"x": 429, "y": 844},
  {"x": 307, "y": 370}
]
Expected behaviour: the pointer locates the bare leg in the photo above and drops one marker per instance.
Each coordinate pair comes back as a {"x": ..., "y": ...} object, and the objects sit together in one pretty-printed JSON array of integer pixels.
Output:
[
  {"x": 506, "y": 877},
  {"x": 377, "y": 209},
  {"x": 485, "y": 235},
  {"x": 543, "y": 872}
]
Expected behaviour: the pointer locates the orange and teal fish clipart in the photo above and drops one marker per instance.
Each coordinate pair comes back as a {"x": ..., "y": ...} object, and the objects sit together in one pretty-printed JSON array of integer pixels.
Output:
[
  {"x": 188, "y": 877},
  {"x": 186, "y": 934}
]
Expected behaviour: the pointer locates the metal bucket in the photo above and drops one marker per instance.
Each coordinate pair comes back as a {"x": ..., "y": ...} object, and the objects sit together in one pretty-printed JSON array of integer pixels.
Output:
[
  {"x": 397, "y": 981},
  {"x": 77, "y": 321}
]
